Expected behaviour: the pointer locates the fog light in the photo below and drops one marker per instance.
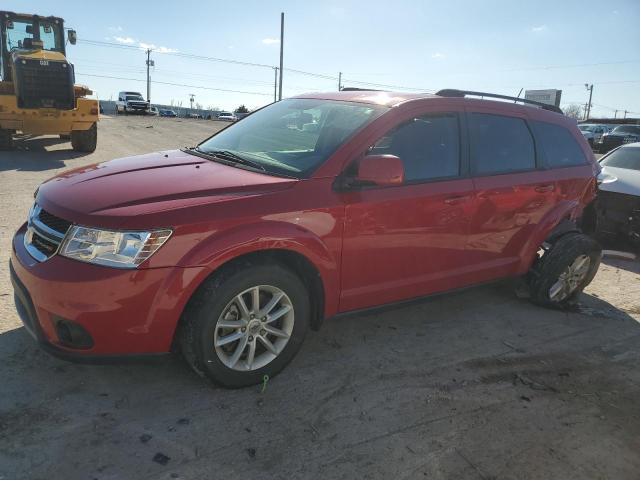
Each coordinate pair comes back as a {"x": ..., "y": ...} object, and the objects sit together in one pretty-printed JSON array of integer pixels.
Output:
[{"x": 72, "y": 335}]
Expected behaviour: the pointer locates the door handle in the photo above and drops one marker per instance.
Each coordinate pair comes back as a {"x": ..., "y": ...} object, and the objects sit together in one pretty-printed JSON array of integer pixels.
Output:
[
  {"x": 547, "y": 187},
  {"x": 456, "y": 200}
]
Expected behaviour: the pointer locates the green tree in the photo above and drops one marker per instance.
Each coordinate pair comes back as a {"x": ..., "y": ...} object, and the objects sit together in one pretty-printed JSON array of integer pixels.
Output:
[{"x": 242, "y": 109}]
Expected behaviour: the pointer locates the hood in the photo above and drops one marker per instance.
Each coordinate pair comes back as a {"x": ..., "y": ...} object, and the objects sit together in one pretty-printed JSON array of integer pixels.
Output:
[
  {"x": 626, "y": 181},
  {"x": 147, "y": 184}
]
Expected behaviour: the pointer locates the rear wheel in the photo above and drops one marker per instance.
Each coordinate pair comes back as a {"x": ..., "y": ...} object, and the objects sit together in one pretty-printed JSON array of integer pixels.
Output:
[
  {"x": 85, "y": 140},
  {"x": 245, "y": 323},
  {"x": 6, "y": 139},
  {"x": 564, "y": 270}
]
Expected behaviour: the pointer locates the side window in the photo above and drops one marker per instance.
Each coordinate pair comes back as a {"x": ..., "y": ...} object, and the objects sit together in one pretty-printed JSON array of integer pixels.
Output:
[
  {"x": 559, "y": 145},
  {"x": 500, "y": 144},
  {"x": 429, "y": 147}
]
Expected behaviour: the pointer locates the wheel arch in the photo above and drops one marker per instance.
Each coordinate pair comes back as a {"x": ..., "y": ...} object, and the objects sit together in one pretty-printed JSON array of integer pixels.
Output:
[
  {"x": 559, "y": 221},
  {"x": 288, "y": 245}
]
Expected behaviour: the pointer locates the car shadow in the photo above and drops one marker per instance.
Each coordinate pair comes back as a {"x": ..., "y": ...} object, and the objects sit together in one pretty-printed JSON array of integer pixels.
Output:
[
  {"x": 355, "y": 381},
  {"x": 33, "y": 154}
]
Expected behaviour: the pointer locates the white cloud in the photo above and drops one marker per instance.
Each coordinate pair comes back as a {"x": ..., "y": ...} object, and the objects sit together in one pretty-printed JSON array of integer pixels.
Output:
[
  {"x": 155, "y": 48},
  {"x": 166, "y": 50},
  {"x": 538, "y": 28},
  {"x": 125, "y": 40},
  {"x": 270, "y": 41},
  {"x": 438, "y": 55}
]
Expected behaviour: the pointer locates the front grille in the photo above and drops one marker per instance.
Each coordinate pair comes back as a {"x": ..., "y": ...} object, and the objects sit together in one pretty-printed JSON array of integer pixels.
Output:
[
  {"x": 45, "y": 233},
  {"x": 44, "y": 245},
  {"x": 44, "y": 84},
  {"x": 54, "y": 222},
  {"x": 618, "y": 213}
]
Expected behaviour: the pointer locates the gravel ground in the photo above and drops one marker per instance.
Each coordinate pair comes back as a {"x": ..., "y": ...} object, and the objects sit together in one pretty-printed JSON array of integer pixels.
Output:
[{"x": 473, "y": 385}]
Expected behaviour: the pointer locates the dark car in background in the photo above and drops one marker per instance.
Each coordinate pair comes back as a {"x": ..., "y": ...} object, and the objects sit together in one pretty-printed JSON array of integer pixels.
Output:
[
  {"x": 620, "y": 135},
  {"x": 168, "y": 113}
]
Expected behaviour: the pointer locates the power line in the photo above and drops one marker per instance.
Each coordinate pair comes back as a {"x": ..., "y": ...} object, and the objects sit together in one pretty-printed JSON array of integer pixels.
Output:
[
  {"x": 175, "y": 84},
  {"x": 175, "y": 54}
]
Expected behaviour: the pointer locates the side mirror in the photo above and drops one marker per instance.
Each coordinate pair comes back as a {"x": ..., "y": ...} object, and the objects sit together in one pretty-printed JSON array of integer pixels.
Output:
[
  {"x": 72, "y": 37},
  {"x": 380, "y": 170}
]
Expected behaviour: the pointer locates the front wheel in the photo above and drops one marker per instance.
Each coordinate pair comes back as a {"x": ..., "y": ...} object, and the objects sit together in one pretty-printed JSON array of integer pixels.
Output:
[
  {"x": 564, "y": 270},
  {"x": 245, "y": 323},
  {"x": 85, "y": 140}
]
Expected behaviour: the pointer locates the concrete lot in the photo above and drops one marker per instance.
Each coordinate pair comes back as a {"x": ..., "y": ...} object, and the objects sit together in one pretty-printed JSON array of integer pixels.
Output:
[{"x": 474, "y": 385}]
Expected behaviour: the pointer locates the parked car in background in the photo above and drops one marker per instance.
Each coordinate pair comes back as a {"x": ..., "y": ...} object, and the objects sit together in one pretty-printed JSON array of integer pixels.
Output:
[
  {"x": 168, "y": 113},
  {"x": 131, "y": 102},
  {"x": 588, "y": 135},
  {"x": 618, "y": 136},
  {"x": 153, "y": 111},
  {"x": 593, "y": 132},
  {"x": 227, "y": 117},
  {"x": 618, "y": 203},
  {"x": 193, "y": 115},
  {"x": 232, "y": 250}
]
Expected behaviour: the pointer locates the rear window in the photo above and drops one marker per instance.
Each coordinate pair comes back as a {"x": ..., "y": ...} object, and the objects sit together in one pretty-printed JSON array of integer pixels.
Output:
[
  {"x": 624, "y": 157},
  {"x": 559, "y": 145},
  {"x": 500, "y": 144}
]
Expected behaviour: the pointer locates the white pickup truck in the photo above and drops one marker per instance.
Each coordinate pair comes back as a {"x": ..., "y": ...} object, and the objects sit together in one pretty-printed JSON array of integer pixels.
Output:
[{"x": 132, "y": 102}]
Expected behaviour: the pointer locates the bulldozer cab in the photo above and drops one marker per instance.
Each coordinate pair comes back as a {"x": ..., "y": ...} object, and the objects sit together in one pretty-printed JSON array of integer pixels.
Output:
[{"x": 20, "y": 32}]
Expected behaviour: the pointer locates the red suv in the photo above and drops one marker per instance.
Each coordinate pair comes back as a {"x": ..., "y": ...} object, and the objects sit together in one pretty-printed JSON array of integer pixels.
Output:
[{"x": 310, "y": 207}]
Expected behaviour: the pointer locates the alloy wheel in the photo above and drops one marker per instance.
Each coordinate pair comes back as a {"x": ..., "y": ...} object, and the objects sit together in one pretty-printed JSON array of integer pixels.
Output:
[
  {"x": 254, "y": 328},
  {"x": 570, "y": 279}
]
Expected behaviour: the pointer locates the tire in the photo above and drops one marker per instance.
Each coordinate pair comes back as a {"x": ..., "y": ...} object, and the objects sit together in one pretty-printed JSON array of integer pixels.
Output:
[
  {"x": 6, "y": 139},
  {"x": 216, "y": 302},
  {"x": 559, "y": 276},
  {"x": 85, "y": 140}
]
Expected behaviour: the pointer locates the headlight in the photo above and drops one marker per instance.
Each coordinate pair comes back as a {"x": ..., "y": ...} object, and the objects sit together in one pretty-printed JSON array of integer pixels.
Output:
[{"x": 112, "y": 248}]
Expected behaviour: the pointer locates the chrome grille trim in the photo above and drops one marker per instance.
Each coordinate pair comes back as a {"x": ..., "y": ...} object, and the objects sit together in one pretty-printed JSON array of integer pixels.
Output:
[{"x": 39, "y": 233}]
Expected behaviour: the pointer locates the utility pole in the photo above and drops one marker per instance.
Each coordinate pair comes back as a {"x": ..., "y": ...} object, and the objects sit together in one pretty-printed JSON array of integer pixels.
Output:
[
  {"x": 281, "y": 52},
  {"x": 625, "y": 113},
  {"x": 191, "y": 97},
  {"x": 339, "y": 81},
  {"x": 615, "y": 114},
  {"x": 275, "y": 84},
  {"x": 590, "y": 88},
  {"x": 150, "y": 63}
]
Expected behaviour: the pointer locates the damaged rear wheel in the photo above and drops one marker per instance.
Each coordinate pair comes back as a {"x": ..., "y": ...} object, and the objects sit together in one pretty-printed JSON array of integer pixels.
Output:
[{"x": 564, "y": 270}]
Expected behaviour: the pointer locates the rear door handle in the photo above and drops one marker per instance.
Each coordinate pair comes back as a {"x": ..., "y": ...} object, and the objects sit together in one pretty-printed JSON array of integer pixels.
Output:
[
  {"x": 456, "y": 200},
  {"x": 547, "y": 187}
]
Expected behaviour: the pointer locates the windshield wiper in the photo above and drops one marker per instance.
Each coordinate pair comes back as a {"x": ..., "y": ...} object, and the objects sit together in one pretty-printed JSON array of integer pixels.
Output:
[{"x": 228, "y": 156}]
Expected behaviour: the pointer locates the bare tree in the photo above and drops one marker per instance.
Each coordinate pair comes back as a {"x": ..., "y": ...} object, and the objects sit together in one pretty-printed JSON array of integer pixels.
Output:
[{"x": 574, "y": 111}]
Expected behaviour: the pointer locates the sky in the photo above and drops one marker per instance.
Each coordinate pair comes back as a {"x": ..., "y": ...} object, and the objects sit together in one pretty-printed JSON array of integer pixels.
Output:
[{"x": 495, "y": 46}]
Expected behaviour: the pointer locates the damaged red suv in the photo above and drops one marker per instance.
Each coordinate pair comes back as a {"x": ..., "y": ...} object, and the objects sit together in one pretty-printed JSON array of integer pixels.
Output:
[{"x": 310, "y": 207}]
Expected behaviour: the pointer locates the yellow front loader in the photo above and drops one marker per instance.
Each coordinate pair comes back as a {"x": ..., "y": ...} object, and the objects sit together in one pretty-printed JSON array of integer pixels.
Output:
[{"x": 38, "y": 95}]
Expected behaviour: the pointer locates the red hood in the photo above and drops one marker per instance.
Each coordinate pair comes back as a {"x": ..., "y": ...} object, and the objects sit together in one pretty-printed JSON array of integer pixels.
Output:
[{"x": 149, "y": 183}]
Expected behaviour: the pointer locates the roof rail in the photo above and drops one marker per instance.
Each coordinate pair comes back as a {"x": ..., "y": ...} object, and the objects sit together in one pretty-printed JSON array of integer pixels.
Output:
[
  {"x": 356, "y": 89},
  {"x": 450, "y": 92}
]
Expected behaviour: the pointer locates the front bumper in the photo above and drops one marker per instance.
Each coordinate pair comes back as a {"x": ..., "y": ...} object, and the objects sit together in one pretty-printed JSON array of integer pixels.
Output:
[
  {"x": 47, "y": 121},
  {"x": 124, "y": 312}
]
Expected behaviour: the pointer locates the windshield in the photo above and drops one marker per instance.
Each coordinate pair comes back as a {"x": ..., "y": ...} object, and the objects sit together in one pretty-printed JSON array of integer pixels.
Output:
[
  {"x": 293, "y": 137},
  {"x": 20, "y": 35},
  {"x": 627, "y": 129},
  {"x": 623, "y": 157},
  {"x": 586, "y": 128},
  {"x": 135, "y": 97}
]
